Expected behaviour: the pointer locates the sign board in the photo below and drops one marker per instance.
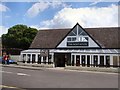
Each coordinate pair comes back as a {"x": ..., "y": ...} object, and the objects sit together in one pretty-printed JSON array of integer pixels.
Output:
[
  {"x": 44, "y": 52},
  {"x": 82, "y": 41},
  {"x": 77, "y": 43}
]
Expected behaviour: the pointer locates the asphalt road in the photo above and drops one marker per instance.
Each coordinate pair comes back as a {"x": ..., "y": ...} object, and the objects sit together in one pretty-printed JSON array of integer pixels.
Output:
[{"x": 44, "y": 78}]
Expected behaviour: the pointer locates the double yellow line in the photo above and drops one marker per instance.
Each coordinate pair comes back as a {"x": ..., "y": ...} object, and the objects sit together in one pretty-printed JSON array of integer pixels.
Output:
[{"x": 5, "y": 86}]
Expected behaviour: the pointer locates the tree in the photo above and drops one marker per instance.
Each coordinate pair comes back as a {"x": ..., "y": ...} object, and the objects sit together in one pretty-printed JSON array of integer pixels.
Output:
[{"x": 19, "y": 36}]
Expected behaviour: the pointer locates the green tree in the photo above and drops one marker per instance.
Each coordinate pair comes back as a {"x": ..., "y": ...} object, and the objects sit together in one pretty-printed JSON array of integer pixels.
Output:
[{"x": 19, "y": 36}]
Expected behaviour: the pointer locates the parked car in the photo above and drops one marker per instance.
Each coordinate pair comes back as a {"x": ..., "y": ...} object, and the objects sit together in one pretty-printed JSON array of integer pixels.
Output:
[{"x": 10, "y": 61}]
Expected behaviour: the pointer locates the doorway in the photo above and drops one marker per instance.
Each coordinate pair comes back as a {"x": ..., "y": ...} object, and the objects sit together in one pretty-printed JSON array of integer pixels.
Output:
[{"x": 61, "y": 59}]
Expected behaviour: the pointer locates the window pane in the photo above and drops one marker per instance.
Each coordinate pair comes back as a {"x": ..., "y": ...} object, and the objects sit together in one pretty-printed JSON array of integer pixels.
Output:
[
  {"x": 44, "y": 59},
  {"x": 108, "y": 61},
  {"x": 68, "y": 39},
  {"x": 39, "y": 59},
  {"x": 33, "y": 58},
  {"x": 95, "y": 60},
  {"x": 72, "y": 60},
  {"x": 101, "y": 61},
  {"x": 24, "y": 58},
  {"x": 28, "y": 58},
  {"x": 49, "y": 59},
  {"x": 73, "y": 38}
]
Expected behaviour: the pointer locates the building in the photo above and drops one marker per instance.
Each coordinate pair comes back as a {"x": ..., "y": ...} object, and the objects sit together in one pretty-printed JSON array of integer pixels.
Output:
[{"x": 75, "y": 47}]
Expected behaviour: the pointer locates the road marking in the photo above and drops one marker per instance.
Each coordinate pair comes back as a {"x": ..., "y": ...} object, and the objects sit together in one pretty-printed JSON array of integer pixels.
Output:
[
  {"x": 19, "y": 74},
  {"x": 23, "y": 74},
  {"x": 5, "y": 72},
  {"x": 6, "y": 86}
]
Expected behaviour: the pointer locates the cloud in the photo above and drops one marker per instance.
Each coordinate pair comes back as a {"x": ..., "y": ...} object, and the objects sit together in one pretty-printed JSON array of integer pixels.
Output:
[
  {"x": 3, "y": 8},
  {"x": 97, "y": 1},
  {"x": 58, "y": 4},
  {"x": 35, "y": 26},
  {"x": 39, "y": 7},
  {"x": 3, "y": 30},
  {"x": 86, "y": 17}
]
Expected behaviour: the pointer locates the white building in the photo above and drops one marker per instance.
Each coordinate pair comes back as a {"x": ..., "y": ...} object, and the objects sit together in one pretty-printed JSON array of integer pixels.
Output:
[{"x": 96, "y": 47}]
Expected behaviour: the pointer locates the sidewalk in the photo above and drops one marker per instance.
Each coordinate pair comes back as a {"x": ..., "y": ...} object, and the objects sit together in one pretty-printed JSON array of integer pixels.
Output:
[
  {"x": 94, "y": 69},
  {"x": 73, "y": 68}
]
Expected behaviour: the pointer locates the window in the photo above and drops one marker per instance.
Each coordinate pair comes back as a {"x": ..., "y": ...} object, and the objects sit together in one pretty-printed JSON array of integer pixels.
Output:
[
  {"x": 50, "y": 56},
  {"x": 102, "y": 61},
  {"x": 83, "y": 60},
  {"x": 115, "y": 61},
  {"x": 68, "y": 39},
  {"x": 95, "y": 60},
  {"x": 33, "y": 58},
  {"x": 39, "y": 59},
  {"x": 24, "y": 58},
  {"x": 44, "y": 59},
  {"x": 73, "y": 38},
  {"x": 72, "y": 60},
  {"x": 49, "y": 59},
  {"x": 107, "y": 61},
  {"x": 28, "y": 58},
  {"x": 77, "y": 60}
]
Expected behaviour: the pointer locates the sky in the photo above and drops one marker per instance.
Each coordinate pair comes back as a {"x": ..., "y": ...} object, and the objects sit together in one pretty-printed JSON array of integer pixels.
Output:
[{"x": 45, "y": 15}]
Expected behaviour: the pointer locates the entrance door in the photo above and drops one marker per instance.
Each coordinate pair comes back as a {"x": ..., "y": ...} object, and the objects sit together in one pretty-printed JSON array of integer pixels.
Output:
[
  {"x": 77, "y": 60},
  {"x": 62, "y": 58},
  {"x": 83, "y": 60},
  {"x": 88, "y": 60}
]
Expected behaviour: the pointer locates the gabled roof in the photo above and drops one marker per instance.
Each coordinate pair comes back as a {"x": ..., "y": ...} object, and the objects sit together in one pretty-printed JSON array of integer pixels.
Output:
[
  {"x": 48, "y": 38},
  {"x": 106, "y": 37}
]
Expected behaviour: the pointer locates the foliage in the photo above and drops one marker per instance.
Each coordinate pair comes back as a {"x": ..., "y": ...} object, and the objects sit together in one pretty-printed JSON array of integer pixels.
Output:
[{"x": 19, "y": 36}]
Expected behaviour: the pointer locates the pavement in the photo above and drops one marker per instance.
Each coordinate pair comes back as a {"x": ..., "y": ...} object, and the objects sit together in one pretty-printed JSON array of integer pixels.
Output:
[{"x": 67, "y": 68}]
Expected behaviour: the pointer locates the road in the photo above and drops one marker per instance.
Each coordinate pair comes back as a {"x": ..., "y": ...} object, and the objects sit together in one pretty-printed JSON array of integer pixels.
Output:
[{"x": 47, "y": 78}]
